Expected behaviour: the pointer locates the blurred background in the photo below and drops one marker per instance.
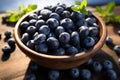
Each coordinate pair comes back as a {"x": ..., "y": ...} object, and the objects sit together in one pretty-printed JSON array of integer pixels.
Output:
[{"x": 13, "y": 4}]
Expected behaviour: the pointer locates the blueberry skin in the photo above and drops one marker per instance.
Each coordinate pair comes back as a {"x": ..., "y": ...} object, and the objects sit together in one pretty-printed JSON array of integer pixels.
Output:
[
  {"x": 89, "y": 62},
  {"x": 40, "y": 17},
  {"x": 25, "y": 38},
  {"x": 75, "y": 39},
  {"x": 59, "y": 30},
  {"x": 107, "y": 64},
  {"x": 31, "y": 30},
  {"x": 71, "y": 50},
  {"x": 88, "y": 42},
  {"x": 30, "y": 77},
  {"x": 36, "y": 33},
  {"x": 42, "y": 48},
  {"x": 39, "y": 23},
  {"x": 67, "y": 23},
  {"x": 65, "y": 14},
  {"x": 52, "y": 23},
  {"x": 11, "y": 42},
  {"x": 52, "y": 43},
  {"x": 80, "y": 22},
  {"x": 31, "y": 44},
  {"x": 83, "y": 31},
  {"x": 91, "y": 20},
  {"x": 7, "y": 34},
  {"x": 59, "y": 52},
  {"x": 64, "y": 37},
  {"x": 45, "y": 13},
  {"x": 59, "y": 10},
  {"x": 53, "y": 74},
  {"x": 86, "y": 74},
  {"x": 6, "y": 49},
  {"x": 74, "y": 73},
  {"x": 51, "y": 35},
  {"x": 33, "y": 16},
  {"x": 82, "y": 49},
  {"x": 40, "y": 38},
  {"x": 96, "y": 67},
  {"x": 44, "y": 29},
  {"x": 117, "y": 49},
  {"x": 109, "y": 40},
  {"x": 93, "y": 31},
  {"x": 110, "y": 75},
  {"x": 32, "y": 22},
  {"x": 61, "y": 5},
  {"x": 55, "y": 15},
  {"x": 24, "y": 25}
]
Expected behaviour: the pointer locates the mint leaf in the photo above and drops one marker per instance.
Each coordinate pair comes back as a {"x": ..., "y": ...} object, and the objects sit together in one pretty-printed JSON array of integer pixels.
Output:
[
  {"x": 99, "y": 9},
  {"x": 110, "y": 6},
  {"x": 13, "y": 18},
  {"x": 77, "y": 2},
  {"x": 75, "y": 8},
  {"x": 83, "y": 4}
]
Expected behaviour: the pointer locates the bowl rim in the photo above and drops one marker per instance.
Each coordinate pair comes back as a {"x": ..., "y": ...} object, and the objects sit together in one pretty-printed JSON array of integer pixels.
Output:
[{"x": 95, "y": 48}]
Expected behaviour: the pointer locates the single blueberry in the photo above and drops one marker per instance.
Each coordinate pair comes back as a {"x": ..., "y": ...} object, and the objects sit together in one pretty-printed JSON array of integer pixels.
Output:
[
  {"x": 64, "y": 37},
  {"x": 65, "y": 14},
  {"x": 86, "y": 74},
  {"x": 7, "y": 34},
  {"x": 53, "y": 74},
  {"x": 31, "y": 30},
  {"x": 39, "y": 23},
  {"x": 75, "y": 72},
  {"x": 24, "y": 25},
  {"x": 45, "y": 13},
  {"x": 40, "y": 17},
  {"x": 110, "y": 75},
  {"x": 40, "y": 38},
  {"x": 33, "y": 16},
  {"x": 59, "y": 10},
  {"x": 42, "y": 48},
  {"x": 118, "y": 32},
  {"x": 59, "y": 30},
  {"x": 30, "y": 44},
  {"x": 59, "y": 52},
  {"x": 93, "y": 31},
  {"x": 32, "y": 22},
  {"x": 52, "y": 23},
  {"x": 117, "y": 49},
  {"x": 71, "y": 50},
  {"x": 25, "y": 38},
  {"x": 89, "y": 62},
  {"x": 96, "y": 67},
  {"x": 44, "y": 29},
  {"x": 55, "y": 15},
  {"x": 30, "y": 77},
  {"x": 67, "y": 23},
  {"x": 83, "y": 31},
  {"x": 52, "y": 43},
  {"x": 11, "y": 42},
  {"x": 107, "y": 64},
  {"x": 6, "y": 49},
  {"x": 61, "y": 5},
  {"x": 91, "y": 20},
  {"x": 109, "y": 40}
]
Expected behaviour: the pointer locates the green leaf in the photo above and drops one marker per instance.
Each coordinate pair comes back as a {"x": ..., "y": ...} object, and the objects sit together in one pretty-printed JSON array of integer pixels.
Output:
[
  {"x": 31, "y": 7},
  {"x": 83, "y": 4},
  {"x": 84, "y": 11},
  {"x": 110, "y": 7},
  {"x": 14, "y": 18},
  {"x": 75, "y": 8},
  {"x": 99, "y": 9},
  {"x": 77, "y": 2},
  {"x": 116, "y": 18}
]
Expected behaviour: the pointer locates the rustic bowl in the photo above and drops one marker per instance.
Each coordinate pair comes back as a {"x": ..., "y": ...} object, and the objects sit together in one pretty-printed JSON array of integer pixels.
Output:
[{"x": 60, "y": 62}]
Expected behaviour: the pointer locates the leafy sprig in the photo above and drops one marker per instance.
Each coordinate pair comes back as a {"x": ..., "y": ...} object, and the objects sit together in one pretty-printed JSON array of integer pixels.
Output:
[
  {"x": 80, "y": 6},
  {"x": 107, "y": 13},
  {"x": 15, "y": 15}
]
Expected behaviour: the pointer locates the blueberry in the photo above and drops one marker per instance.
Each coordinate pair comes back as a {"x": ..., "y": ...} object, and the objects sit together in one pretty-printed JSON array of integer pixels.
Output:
[
  {"x": 75, "y": 72},
  {"x": 48, "y": 7},
  {"x": 31, "y": 30},
  {"x": 64, "y": 37},
  {"x": 107, "y": 64},
  {"x": 82, "y": 49},
  {"x": 66, "y": 14},
  {"x": 71, "y": 50},
  {"x": 6, "y": 49},
  {"x": 36, "y": 33},
  {"x": 65, "y": 46},
  {"x": 0, "y": 35},
  {"x": 109, "y": 40},
  {"x": 40, "y": 17},
  {"x": 30, "y": 77},
  {"x": 32, "y": 22},
  {"x": 52, "y": 23},
  {"x": 55, "y": 15},
  {"x": 59, "y": 30},
  {"x": 39, "y": 23},
  {"x": 86, "y": 74},
  {"x": 119, "y": 61},
  {"x": 88, "y": 42},
  {"x": 110, "y": 75},
  {"x": 7, "y": 34},
  {"x": 44, "y": 29},
  {"x": 53, "y": 74},
  {"x": 59, "y": 51},
  {"x": 61, "y": 5},
  {"x": 91, "y": 20},
  {"x": 59, "y": 10},
  {"x": 45, "y": 13},
  {"x": 83, "y": 31},
  {"x": 40, "y": 38},
  {"x": 24, "y": 25},
  {"x": 80, "y": 22},
  {"x": 75, "y": 39},
  {"x": 42, "y": 48},
  {"x": 25, "y": 38},
  {"x": 11, "y": 42},
  {"x": 96, "y": 67},
  {"x": 89, "y": 14},
  {"x": 52, "y": 43},
  {"x": 51, "y": 35},
  {"x": 30, "y": 44},
  {"x": 118, "y": 32},
  {"x": 89, "y": 62},
  {"x": 67, "y": 23},
  {"x": 117, "y": 49},
  {"x": 93, "y": 31},
  {"x": 33, "y": 16}
]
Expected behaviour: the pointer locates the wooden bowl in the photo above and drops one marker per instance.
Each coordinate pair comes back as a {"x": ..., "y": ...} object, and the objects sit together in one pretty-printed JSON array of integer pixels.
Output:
[{"x": 60, "y": 62}]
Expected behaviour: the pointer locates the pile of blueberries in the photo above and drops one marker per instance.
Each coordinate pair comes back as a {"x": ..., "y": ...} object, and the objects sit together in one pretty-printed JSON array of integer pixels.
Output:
[{"x": 58, "y": 30}]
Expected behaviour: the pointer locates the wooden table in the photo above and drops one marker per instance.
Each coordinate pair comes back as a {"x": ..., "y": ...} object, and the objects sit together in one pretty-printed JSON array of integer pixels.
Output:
[{"x": 15, "y": 67}]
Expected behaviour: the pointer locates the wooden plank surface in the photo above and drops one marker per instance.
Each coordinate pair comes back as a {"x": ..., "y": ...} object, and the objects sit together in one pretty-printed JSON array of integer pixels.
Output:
[{"x": 16, "y": 66}]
